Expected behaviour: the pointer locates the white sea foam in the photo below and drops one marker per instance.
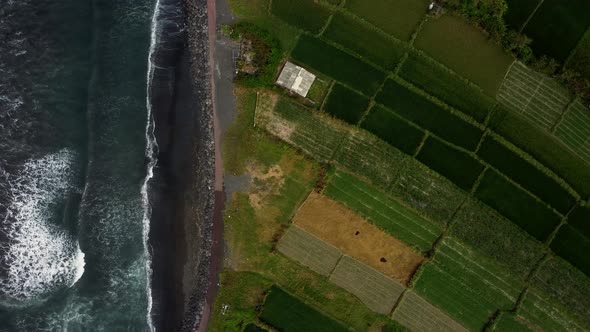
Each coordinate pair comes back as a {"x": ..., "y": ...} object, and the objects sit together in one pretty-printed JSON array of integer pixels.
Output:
[{"x": 39, "y": 256}]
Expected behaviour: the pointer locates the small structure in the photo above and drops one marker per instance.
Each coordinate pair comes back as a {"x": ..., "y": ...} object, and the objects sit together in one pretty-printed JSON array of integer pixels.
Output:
[{"x": 296, "y": 79}]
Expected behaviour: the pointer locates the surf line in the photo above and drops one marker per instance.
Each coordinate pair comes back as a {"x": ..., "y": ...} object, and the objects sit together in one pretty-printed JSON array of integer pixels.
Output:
[{"x": 150, "y": 153}]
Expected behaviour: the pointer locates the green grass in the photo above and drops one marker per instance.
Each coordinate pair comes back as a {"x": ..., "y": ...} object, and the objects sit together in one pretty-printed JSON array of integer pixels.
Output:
[
  {"x": 519, "y": 11},
  {"x": 346, "y": 104},
  {"x": 318, "y": 90},
  {"x": 557, "y": 26},
  {"x": 339, "y": 65},
  {"x": 429, "y": 115},
  {"x": 517, "y": 205},
  {"x": 580, "y": 219},
  {"x": 303, "y": 14},
  {"x": 397, "y": 17},
  {"x": 573, "y": 246},
  {"x": 526, "y": 174},
  {"x": 544, "y": 148},
  {"x": 393, "y": 129},
  {"x": 288, "y": 313},
  {"x": 448, "y": 87},
  {"x": 494, "y": 236},
  {"x": 383, "y": 211},
  {"x": 368, "y": 42},
  {"x": 466, "y": 50},
  {"x": 454, "y": 164},
  {"x": 580, "y": 58},
  {"x": 465, "y": 286}
]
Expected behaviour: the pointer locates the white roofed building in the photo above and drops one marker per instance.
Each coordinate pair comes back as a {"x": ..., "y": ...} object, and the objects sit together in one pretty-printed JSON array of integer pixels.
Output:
[{"x": 296, "y": 79}]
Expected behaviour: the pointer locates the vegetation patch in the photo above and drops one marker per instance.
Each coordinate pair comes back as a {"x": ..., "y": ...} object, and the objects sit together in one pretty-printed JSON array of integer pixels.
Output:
[
  {"x": 543, "y": 147},
  {"x": 337, "y": 64},
  {"x": 465, "y": 49},
  {"x": 418, "y": 314},
  {"x": 454, "y": 164},
  {"x": 573, "y": 246},
  {"x": 346, "y": 104},
  {"x": 383, "y": 211},
  {"x": 369, "y": 43},
  {"x": 393, "y": 129},
  {"x": 557, "y": 26},
  {"x": 494, "y": 236},
  {"x": 304, "y": 14},
  {"x": 376, "y": 290},
  {"x": 429, "y": 115},
  {"x": 399, "y": 18},
  {"x": 538, "y": 313},
  {"x": 517, "y": 205},
  {"x": 574, "y": 129},
  {"x": 318, "y": 90},
  {"x": 519, "y": 11},
  {"x": 580, "y": 58},
  {"x": 579, "y": 218},
  {"x": 526, "y": 174},
  {"x": 450, "y": 88},
  {"x": 254, "y": 328},
  {"x": 288, "y": 313}
]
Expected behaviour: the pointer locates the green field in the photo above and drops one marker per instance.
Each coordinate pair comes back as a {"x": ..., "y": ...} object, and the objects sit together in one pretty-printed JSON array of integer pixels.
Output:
[
  {"x": 433, "y": 195},
  {"x": 346, "y": 104},
  {"x": 288, "y": 313},
  {"x": 465, "y": 286},
  {"x": 393, "y": 129},
  {"x": 526, "y": 174},
  {"x": 337, "y": 64},
  {"x": 517, "y": 205},
  {"x": 543, "y": 147},
  {"x": 463, "y": 48},
  {"x": 399, "y": 18},
  {"x": 419, "y": 315},
  {"x": 383, "y": 211},
  {"x": 574, "y": 129},
  {"x": 446, "y": 86},
  {"x": 428, "y": 115},
  {"x": 580, "y": 58},
  {"x": 494, "y": 236},
  {"x": 557, "y": 26},
  {"x": 454, "y": 164},
  {"x": 519, "y": 11},
  {"x": 579, "y": 217},
  {"x": 573, "y": 246},
  {"x": 304, "y": 14},
  {"x": 368, "y": 42}
]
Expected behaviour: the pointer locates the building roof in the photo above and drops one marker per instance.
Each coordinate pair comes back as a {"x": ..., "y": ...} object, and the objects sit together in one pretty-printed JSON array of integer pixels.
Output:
[{"x": 296, "y": 79}]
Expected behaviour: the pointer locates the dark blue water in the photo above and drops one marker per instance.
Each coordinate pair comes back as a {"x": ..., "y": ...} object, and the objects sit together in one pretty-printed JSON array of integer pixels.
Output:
[{"x": 76, "y": 152}]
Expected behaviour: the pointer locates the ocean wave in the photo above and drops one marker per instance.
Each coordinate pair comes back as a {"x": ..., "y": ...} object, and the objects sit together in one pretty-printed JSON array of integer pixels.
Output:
[{"x": 37, "y": 256}]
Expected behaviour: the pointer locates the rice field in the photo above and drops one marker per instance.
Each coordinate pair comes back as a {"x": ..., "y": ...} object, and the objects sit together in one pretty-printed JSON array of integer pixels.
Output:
[
  {"x": 574, "y": 130},
  {"x": 519, "y": 11},
  {"x": 346, "y": 104},
  {"x": 307, "y": 15},
  {"x": 579, "y": 217},
  {"x": 373, "y": 288},
  {"x": 536, "y": 97},
  {"x": 573, "y": 246},
  {"x": 418, "y": 314}
]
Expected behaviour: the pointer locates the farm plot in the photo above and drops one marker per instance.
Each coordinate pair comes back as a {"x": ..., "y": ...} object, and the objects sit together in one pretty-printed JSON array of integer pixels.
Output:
[
  {"x": 428, "y": 115},
  {"x": 304, "y": 14},
  {"x": 538, "y": 182},
  {"x": 368, "y": 42},
  {"x": 254, "y": 328},
  {"x": 564, "y": 289},
  {"x": 376, "y": 290},
  {"x": 517, "y": 205},
  {"x": 309, "y": 250},
  {"x": 580, "y": 58},
  {"x": 370, "y": 157},
  {"x": 446, "y": 86},
  {"x": 341, "y": 227},
  {"x": 579, "y": 218},
  {"x": 431, "y": 194},
  {"x": 519, "y": 11},
  {"x": 383, "y": 211},
  {"x": 466, "y": 286},
  {"x": 454, "y": 164},
  {"x": 346, "y": 104},
  {"x": 536, "y": 97},
  {"x": 544, "y": 147},
  {"x": 557, "y": 26},
  {"x": 538, "y": 313},
  {"x": 574, "y": 130},
  {"x": 399, "y": 18},
  {"x": 310, "y": 132},
  {"x": 287, "y": 313},
  {"x": 463, "y": 48},
  {"x": 496, "y": 237},
  {"x": 337, "y": 64},
  {"x": 418, "y": 315},
  {"x": 393, "y": 129},
  {"x": 573, "y": 246}
]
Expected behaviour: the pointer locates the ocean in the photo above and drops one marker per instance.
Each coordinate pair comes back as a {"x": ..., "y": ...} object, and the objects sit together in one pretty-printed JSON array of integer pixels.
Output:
[{"x": 77, "y": 155}]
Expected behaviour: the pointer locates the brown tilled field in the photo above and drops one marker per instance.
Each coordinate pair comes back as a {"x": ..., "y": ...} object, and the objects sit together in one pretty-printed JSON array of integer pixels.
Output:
[{"x": 344, "y": 229}]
